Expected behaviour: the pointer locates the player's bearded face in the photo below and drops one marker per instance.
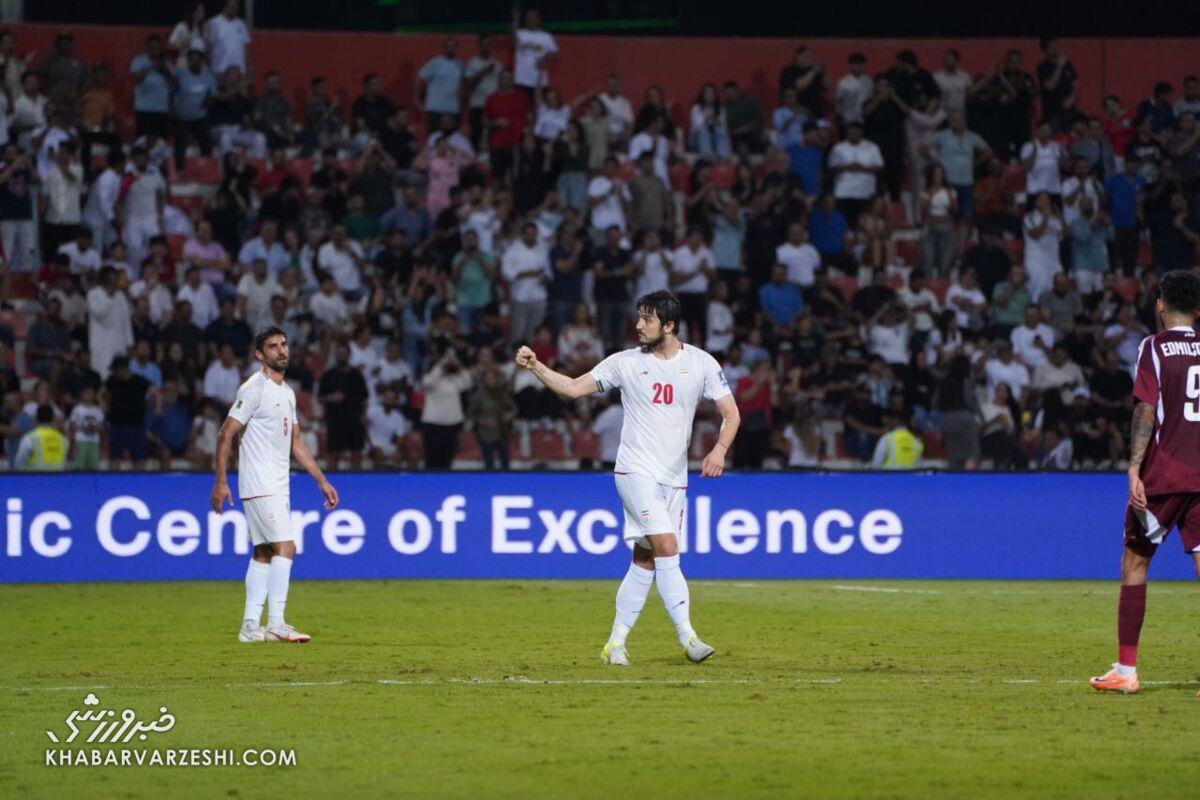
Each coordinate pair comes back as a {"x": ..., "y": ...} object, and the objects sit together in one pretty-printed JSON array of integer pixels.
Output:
[
  {"x": 275, "y": 355},
  {"x": 650, "y": 333}
]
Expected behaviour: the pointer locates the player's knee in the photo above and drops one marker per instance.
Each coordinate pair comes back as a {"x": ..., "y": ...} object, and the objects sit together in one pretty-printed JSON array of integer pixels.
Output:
[
  {"x": 1134, "y": 567},
  {"x": 286, "y": 549},
  {"x": 263, "y": 552},
  {"x": 664, "y": 544},
  {"x": 643, "y": 558}
]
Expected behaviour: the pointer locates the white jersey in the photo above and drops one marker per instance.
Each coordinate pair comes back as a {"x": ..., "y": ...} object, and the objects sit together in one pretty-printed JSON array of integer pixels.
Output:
[
  {"x": 659, "y": 398},
  {"x": 268, "y": 410}
]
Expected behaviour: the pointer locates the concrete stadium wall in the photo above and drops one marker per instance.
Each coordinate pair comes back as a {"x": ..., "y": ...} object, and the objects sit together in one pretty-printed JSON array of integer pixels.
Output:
[{"x": 113, "y": 526}]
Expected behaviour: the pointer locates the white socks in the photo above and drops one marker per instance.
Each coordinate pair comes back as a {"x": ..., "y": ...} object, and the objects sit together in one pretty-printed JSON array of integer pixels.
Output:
[
  {"x": 1125, "y": 671},
  {"x": 673, "y": 590},
  {"x": 277, "y": 583},
  {"x": 256, "y": 590},
  {"x": 631, "y": 597}
]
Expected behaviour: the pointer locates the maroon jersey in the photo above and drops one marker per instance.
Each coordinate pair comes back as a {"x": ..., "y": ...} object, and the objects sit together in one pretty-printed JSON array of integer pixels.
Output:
[{"x": 1168, "y": 379}]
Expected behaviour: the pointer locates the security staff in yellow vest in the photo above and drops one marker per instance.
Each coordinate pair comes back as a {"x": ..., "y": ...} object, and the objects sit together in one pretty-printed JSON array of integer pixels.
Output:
[
  {"x": 899, "y": 448},
  {"x": 43, "y": 449}
]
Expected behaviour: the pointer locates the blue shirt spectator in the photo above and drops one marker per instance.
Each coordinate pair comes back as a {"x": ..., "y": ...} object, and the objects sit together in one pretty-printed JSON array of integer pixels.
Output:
[
  {"x": 956, "y": 151},
  {"x": 193, "y": 92},
  {"x": 780, "y": 301},
  {"x": 23, "y": 423},
  {"x": 1123, "y": 190},
  {"x": 805, "y": 162},
  {"x": 442, "y": 76},
  {"x": 171, "y": 426},
  {"x": 152, "y": 94},
  {"x": 144, "y": 366},
  {"x": 1089, "y": 244},
  {"x": 410, "y": 217},
  {"x": 729, "y": 232},
  {"x": 827, "y": 228}
]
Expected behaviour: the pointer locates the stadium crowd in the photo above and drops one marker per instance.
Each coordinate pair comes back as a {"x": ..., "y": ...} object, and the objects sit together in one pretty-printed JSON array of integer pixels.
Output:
[{"x": 896, "y": 266}]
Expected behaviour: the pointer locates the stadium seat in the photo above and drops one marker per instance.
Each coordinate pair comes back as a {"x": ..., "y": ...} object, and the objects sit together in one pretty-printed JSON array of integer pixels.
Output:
[
  {"x": 939, "y": 287},
  {"x": 910, "y": 251},
  {"x": 547, "y": 446},
  {"x": 188, "y": 204},
  {"x": 1127, "y": 287},
  {"x": 722, "y": 176},
  {"x": 680, "y": 174},
  {"x": 202, "y": 169},
  {"x": 845, "y": 284},
  {"x": 468, "y": 447},
  {"x": 934, "y": 447},
  {"x": 585, "y": 444},
  {"x": 626, "y": 170},
  {"x": 175, "y": 243},
  {"x": 302, "y": 168},
  {"x": 897, "y": 216}
]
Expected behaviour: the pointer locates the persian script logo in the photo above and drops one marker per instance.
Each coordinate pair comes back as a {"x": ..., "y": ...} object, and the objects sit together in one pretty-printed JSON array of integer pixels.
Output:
[{"x": 109, "y": 727}]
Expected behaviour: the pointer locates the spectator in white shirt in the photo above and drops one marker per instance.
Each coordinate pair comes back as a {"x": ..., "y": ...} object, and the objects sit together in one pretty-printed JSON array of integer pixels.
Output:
[
  {"x": 855, "y": 163},
  {"x": 853, "y": 90},
  {"x": 953, "y": 82},
  {"x": 692, "y": 267},
  {"x": 100, "y": 210},
  {"x": 254, "y": 293},
  {"x": 1059, "y": 372},
  {"x": 386, "y": 428},
  {"x": 618, "y": 109},
  {"x": 651, "y": 140},
  {"x": 966, "y": 300},
  {"x": 267, "y": 247},
  {"x": 157, "y": 295},
  {"x": 1081, "y": 185},
  {"x": 343, "y": 258},
  {"x": 84, "y": 258},
  {"x": 328, "y": 307},
  {"x": 801, "y": 258},
  {"x": 222, "y": 378},
  {"x": 1004, "y": 368},
  {"x": 63, "y": 188},
  {"x": 201, "y": 297},
  {"x": 143, "y": 195},
  {"x": 1033, "y": 340},
  {"x": 920, "y": 301},
  {"x": 227, "y": 37},
  {"x": 719, "y": 321},
  {"x": 526, "y": 268},
  {"x": 608, "y": 198},
  {"x": 1043, "y": 161},
  {"x": 532, "y": 47}
]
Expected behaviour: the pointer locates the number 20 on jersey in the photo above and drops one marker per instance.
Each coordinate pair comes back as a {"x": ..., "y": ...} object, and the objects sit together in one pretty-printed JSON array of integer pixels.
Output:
[{"x": 664, "y": 393}]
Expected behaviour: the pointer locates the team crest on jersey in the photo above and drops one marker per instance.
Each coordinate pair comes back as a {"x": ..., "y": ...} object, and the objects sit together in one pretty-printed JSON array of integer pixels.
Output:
[
  {"x": 239, "y": 404},
  {"x": 724, "y": 380},
  {"x": 645, "y": 515}
]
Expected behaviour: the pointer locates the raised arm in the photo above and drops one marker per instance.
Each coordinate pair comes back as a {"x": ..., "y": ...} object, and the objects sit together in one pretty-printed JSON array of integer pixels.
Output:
[
  {"x": 305, "y": 459},
  {"x": 561, "y": 385}
]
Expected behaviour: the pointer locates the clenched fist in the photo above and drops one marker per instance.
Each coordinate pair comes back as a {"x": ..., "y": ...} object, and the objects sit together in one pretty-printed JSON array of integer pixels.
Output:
[{"x": 526, "y": 358}]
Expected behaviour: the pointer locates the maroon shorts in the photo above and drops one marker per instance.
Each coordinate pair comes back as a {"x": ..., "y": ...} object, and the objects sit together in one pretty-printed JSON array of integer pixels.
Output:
[{"x": 1145, "y": 530}]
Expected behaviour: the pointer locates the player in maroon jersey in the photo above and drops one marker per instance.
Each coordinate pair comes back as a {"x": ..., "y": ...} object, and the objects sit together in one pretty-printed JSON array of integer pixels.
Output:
[{"x": 1164, "y": 462}]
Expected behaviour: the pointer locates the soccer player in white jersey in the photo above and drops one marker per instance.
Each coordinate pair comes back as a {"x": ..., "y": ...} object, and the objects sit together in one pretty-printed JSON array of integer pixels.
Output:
[
  {"x": 264, "y": 412},
  {"x": 661, "y": 383}
]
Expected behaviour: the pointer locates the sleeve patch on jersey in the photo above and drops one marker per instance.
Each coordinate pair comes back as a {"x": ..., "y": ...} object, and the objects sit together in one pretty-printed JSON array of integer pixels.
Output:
[
  {"x": 239, "y": 404},
  {"x": 721, "y": 375}
]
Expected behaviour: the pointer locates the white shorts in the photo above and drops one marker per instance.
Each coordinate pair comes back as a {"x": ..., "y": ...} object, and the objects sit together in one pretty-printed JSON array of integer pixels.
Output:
[
  {"x": 268, "y": 518},
  {"x": 650, "y": 507}
]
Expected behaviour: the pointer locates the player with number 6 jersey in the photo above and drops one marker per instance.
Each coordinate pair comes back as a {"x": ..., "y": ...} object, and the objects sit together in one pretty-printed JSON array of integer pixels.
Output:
[
  {"x": 1164, "y": 462},
  {"x": 662, "y": 381}
]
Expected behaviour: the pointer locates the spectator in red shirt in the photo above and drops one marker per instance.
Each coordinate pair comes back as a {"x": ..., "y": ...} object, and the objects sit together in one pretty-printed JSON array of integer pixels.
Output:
[
  {"x": 1119, "y": 127},
  {"x": 506, "y": 111},
  {"x": 755, "y": 396}
]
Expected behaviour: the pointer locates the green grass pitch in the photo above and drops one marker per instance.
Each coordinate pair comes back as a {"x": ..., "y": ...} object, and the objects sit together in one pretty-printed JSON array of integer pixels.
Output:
[{"x": 486, "y": 689}]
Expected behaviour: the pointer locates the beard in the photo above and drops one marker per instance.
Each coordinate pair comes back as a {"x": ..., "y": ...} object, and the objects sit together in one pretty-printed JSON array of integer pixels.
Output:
[
  {"x": 279, "y": 365},
  {"x": 653, "y": 344}
]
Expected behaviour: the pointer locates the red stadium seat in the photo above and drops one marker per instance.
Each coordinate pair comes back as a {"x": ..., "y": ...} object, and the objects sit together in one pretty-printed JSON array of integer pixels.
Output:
[
  {"x": 188, "y": 204},
  {"x": 896, "y": 215},
  {"x": 1127, "y": 287},
  {"x": 202, "y": 169},
  {"x": 626, "y": 171},
  {"x": 846, "y": 285},
  {"x": 468, "y": 447},
  {"x": 909, "y": 251},
  {"x": 547, "y": 446},
  {"x": 680, "y": 174},
  {"x": 722, "y": 176},
  {"x": 939, "y": 286},
  {"x": 175, "y": 243},
  {"x": 302, "y": 168},
  {"x": 934, "y": 447},
  {"x": 585, "y": 444}
]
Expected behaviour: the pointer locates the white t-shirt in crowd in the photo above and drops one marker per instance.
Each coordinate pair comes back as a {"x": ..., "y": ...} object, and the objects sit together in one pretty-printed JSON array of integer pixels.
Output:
[
  {"x": 855, "y": 185},
  {"x": 619, "y": 112},
  {"x": 851, "y": 94},
  {"x": 268, "y": 410},
  {"x": 258, "y": 298},
  {"x": 646, "y": 142},
  {"x": 660, "y": 398},
  {"x": 221, "y": 381},
  {"x": 227, "y": 40},
  {"x": 82, "y": 261},
  {"x": 341, "y": 264},
  {"x": 654, "y": 275},
  {"x": 203, "y": 300},
  {"x": 531, "y": 47},
  {"x": 608, "y": 427},
  {"x": 1042, "y": 255},
  {"x": 684, "y": 261},
  {"x": 609, "y": 212},
  {"x": 801, "y": 260},
  {"x": 1044, "y": 175},
  {"x": 975, "y": 296},
  {"x": 1024, "y": 341},
  {"x": 87, "y": 422},
  {"x": 923, "y": 321},
  {"x": 518, "y": 258},
  {"x": 719, "y": 327},
  {"x": 1014, "y": 374},
  {"x": 329, "y": 309},
  {"x": 141, "y": 198},
  {"x": 1091, "y": 189},
  {"x": 954, "y": 87},
  {"x": 551, "y": 122},
  {"x": 384, "y": 427}
]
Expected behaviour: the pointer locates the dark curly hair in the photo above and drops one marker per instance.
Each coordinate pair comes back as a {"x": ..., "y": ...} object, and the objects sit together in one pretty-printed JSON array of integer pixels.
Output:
[{"x": 1180, "y": 291}]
